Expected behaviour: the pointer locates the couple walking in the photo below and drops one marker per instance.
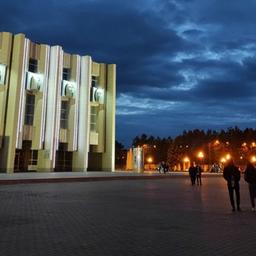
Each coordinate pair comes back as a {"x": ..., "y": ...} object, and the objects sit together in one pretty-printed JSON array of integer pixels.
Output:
[
  {"x": 232, "y": 175},
  {"x": 195, "y": 174}
]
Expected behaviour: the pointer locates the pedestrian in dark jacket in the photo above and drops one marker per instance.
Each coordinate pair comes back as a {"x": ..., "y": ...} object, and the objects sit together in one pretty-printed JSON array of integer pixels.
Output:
[
  {"x": 192, "y": 173},
  {"x": 250, "y": 178},
  {"x": 232, "y": 175},
  {"x": 198, "y": 175}
]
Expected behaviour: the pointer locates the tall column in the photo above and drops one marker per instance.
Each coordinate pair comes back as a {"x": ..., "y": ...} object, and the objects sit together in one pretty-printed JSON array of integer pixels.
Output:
[
  {"x": 5, "y": 60},
  {"x": 16, "y": 101},
  {"x": 74, "y": 104},
  {"x": 40, "y": 99},
  {"x": 108, "y": 157},
  {"x": 46, "y": 157},
  {"x": 80, "y": 157}
]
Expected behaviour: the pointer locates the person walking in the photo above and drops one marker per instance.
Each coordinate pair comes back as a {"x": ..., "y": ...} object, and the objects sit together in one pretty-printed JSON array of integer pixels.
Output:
[
  {"x": 232, "y": 175},
  {"x": 161, "y": 167},
  {"x": 192, "y": 173},
  {"x": 250, "y": 178},
  {"x": 198, "y": 175}
]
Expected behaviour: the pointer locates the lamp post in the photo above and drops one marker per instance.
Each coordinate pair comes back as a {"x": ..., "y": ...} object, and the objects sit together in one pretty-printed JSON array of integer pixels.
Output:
[
  {"x": 253, "y": 159},
  {"x": 223, "y": 160},
  {"x": 200, "y": 156},
  {"x": 149, "y": 161},
  {"x": 211, "y": 151}
]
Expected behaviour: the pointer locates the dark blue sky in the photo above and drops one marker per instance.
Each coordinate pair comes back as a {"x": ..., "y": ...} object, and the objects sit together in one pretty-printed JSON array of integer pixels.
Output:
[{"x": 182, "y": 64}]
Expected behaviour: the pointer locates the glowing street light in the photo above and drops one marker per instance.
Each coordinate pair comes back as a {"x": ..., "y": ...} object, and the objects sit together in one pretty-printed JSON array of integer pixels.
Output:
[
  {"x": 253, "y": 159},
  {"x": 223, "y": 160},
  {"x": 228, "y": 156},
  {"x": 216, "y": 142},
  {"x": 186, "y": 160},
  {"x": 200, "y": 155},
  {"x": 150, "y": 160}
]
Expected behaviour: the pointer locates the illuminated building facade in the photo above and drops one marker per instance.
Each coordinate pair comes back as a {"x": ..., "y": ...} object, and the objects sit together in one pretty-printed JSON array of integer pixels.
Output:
[{"x": 57, "y": 110}]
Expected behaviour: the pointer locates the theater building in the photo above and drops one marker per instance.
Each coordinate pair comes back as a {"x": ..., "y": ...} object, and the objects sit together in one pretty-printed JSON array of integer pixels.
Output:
[{"x": 57, "y": 110}]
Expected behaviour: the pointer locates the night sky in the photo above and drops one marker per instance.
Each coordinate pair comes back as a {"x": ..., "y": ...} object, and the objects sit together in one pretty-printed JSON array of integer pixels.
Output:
[{"x": 182, "y": 64}]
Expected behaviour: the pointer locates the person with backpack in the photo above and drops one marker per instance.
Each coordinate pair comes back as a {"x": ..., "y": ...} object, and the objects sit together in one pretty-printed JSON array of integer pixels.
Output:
[
  {"x": 232, "y": 175},
  {"x": 250, "y": 178}
]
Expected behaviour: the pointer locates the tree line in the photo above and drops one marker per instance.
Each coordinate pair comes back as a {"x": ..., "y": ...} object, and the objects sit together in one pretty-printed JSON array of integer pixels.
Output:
[{"x": 240, "y": 144}]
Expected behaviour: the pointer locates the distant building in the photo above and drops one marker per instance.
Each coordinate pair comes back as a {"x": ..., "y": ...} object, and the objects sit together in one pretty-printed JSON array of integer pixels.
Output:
[{"x": 57, "y": 110}]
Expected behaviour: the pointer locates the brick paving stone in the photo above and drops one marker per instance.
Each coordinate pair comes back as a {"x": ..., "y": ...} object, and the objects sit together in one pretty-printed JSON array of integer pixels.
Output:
[{"x": 125, "y": 217}]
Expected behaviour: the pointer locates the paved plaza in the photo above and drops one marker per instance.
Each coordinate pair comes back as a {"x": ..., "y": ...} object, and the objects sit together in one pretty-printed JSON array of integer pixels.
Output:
[{"x": 125, "y": 217}]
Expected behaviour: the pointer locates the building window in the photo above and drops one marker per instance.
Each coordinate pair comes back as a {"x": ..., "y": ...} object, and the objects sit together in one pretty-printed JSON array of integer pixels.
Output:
[
  {"x": 94, "y": 81},
  {"x": 93, "y": 121},
  {"x": 64, "y": 115},
  {"x": 30, "y": 108},
  {"x": 94, "y": 85},
  {"x": 63, "y": 159},
  {"x": 32, "y": 65},
  {"x": 33, "y": 157},
  {"x": 66, "y": 74}
]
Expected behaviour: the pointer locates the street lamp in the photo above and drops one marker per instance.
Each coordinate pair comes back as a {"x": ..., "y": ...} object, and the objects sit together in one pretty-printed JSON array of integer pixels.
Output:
[
  {"x": 223, "y": 160},
  {"x": 244, "y": 144},
  {"x": 149, "y": 161},
  {"x": 216, "y": 142},
  {"x": 228, "y": 156},
  {"x": 200, "y": 155},
  {"x": 186, "y": 160},
  {"x": 253, "y": 159}
]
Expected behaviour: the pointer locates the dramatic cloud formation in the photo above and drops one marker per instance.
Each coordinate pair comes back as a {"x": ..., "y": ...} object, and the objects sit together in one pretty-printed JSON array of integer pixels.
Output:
[{"x": 182, "y": 64}]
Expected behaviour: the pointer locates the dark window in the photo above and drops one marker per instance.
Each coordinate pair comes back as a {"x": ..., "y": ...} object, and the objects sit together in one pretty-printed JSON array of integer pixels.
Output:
[
  {"x": 30, "y": 108},
  {"x": 33, "y": 157},
  {"x": 93, "y": 86},
  {"x": 66, "y": 74},
  {"x": 25, "y": 157},
  {"x": 64, "y": 115},
  {"x": 63, "y": 159},
  {"x": 32, "y": 65},
  {"x": 94, "y": 81}
]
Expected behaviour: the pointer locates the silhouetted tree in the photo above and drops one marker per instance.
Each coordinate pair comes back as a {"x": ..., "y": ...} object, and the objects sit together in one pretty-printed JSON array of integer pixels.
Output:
[{"x": 120, "y": 156}]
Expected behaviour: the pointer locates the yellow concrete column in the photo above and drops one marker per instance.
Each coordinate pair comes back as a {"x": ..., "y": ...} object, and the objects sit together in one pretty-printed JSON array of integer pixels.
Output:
[
  {"x": 5, "y": 60},
  {"x": 80, "y": 157},
  {"x": 101, "y": 112},
  {"x": 40, "y": 99},
  {"x": 14, "y": 100},
  {"x": 108, "y": 158},
  {"x": 74, "y": 104},
  {"x": 46, "y": 157}
]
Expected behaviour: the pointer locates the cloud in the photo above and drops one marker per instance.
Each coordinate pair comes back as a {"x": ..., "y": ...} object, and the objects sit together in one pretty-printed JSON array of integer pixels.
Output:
[{"x": 181, "y": 64}]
